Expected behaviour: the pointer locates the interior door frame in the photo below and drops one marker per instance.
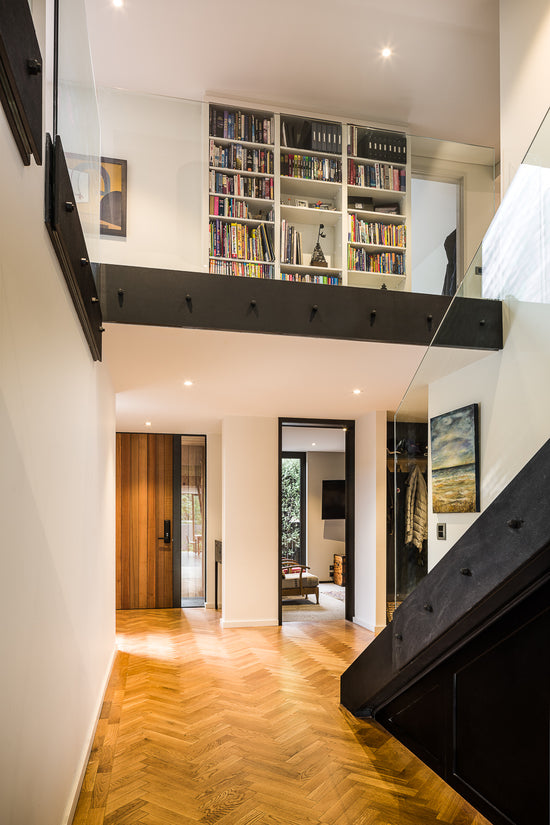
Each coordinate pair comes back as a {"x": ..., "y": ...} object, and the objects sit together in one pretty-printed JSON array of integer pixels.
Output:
[{"x": 349, "y": 427}]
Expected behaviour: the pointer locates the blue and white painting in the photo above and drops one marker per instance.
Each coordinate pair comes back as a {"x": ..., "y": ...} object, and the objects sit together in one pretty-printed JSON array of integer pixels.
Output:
[{"x": 455, "y": 461}]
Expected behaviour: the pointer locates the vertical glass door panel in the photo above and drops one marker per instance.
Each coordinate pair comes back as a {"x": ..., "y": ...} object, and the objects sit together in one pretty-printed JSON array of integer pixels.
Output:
[
  {"x": 193, "y": 520},
  {"x": 293, "y": 491}
]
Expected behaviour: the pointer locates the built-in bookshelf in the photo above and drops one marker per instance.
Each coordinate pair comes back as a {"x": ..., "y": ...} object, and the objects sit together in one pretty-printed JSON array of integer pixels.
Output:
[{"x": 280, "y": 184}]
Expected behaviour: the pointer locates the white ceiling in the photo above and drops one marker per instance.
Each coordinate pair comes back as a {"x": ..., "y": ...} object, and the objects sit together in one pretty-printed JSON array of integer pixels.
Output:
[
  {"x": 317, "y": 55},
  {"x": 245, "y": 374}
]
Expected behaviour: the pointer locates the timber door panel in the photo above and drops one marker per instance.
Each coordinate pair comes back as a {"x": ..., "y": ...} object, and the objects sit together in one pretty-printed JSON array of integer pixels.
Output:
[{"x": 143, "y": 502}]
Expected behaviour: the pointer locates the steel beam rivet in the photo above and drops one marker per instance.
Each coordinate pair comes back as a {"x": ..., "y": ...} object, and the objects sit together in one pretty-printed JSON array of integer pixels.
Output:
[
  {"x": 95, "y": 300},
  {"x": 482, "y": 322},
  {"x": 102, "y": 329},
  {"x": 428, "y": 608},
  {"x": 399, "y": 637},
  {"x": 69, "y": 206},
  {"x": 253, "y": 303},
  {"x": 84, "y": 261},
  {"x": 465, "y": 571},
  {"x": 34, "y": 66},
  {"x": 515, "y": 523}
]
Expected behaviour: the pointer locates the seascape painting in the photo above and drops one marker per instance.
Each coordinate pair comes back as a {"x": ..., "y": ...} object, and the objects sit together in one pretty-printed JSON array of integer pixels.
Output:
[{"x": 455, "y": 461}]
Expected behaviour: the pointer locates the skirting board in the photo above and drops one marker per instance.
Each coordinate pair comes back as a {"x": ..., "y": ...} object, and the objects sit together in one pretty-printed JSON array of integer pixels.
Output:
[
  {"x": 75, "y": 794},
  {"x": 376, "y": 629},
  {"x": 228, "y": 623}
]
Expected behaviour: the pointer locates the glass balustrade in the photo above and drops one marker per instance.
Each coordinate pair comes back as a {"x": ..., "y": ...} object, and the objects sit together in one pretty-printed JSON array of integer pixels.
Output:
[{"x": 470, "y": 420}]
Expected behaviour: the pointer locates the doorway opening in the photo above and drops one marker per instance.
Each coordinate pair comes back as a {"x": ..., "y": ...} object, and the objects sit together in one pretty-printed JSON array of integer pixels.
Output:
[
  {"x": 436, "y": 209},
  {"x": 316, "y": 519},
  {"x": 192, "y": 501}
]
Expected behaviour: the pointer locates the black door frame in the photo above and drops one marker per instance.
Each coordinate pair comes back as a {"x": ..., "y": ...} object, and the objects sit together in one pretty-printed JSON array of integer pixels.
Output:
[
  {"x": 349, "y": 427},
  {"x": 303, "y": 509}
]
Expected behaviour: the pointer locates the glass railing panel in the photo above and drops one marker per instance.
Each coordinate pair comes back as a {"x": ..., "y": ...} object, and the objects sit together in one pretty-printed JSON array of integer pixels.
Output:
[
  {"x": 481, "y": 415},
  {"x": 76, "y": 117}
]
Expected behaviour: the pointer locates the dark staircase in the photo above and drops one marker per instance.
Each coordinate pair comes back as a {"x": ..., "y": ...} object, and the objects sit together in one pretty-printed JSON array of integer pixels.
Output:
[{"x": 461, "y": 676}]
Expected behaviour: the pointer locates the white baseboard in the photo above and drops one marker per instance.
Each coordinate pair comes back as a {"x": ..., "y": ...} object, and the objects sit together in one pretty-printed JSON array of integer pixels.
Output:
[
  {"x": 363, "y": 623},
  {"x": 227, "y": 623},
  {"x": 83, "y": 763},
  {"x": 212, "y": 605}
]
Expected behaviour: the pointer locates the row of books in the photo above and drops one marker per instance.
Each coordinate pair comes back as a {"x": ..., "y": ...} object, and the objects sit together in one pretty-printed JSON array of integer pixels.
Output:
[
  {"x": 237, "y": 240},
  {"x": 377, "y": 175},
  {"x": 236, "y": 156},
  {"x": 311, "y": 168},
  {"x": 233, "y": 208},
  {"x": 237, "y": 125},
  {"x": 310, "y": 278},
  {"x": 239, "y": 185},
  {"x": 242, "y": 270},
  {"x": 377, "y": 145},
  {"x": 381, "y": 234},
  {"x": 291, "y": 244},
  {"x": 387, "y": 263}
]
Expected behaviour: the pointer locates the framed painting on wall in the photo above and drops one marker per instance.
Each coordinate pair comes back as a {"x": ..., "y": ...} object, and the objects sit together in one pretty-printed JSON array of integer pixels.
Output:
[
  {"x": 454, "y": 440},
  {"x": 112, "y": 204}
]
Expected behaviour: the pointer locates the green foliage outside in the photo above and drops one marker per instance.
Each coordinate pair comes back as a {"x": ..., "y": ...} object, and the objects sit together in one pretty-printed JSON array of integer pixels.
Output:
[{"x": 290, "y": 511}]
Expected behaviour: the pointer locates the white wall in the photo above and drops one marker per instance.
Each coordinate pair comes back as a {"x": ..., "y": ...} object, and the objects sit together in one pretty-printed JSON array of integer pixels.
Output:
[
  {"x": 250, "y": 522},
  {"x": 513, "y": 391},
  {"x": 433, "y": 217},
  {"x": 162, "y": 141},
  {"x": 321, "y": 550},
  {"x": 370, "y": 521},
  {"x": 524, "y": 78},
  {"x": 57, "y": 515},
  {"x": 213, "y": 514}
]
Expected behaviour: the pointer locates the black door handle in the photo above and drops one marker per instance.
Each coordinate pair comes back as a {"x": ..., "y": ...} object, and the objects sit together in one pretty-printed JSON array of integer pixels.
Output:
[{"x": 166, "y": 537}]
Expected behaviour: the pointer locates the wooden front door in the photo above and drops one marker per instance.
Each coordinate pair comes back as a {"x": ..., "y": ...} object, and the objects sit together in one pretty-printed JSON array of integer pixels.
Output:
[{"x": 144, "y": 501}]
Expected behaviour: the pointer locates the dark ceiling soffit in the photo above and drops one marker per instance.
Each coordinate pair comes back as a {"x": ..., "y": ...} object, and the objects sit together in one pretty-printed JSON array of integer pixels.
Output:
[
  {"x": 21, "y": 78},
  {"x": 63, "y": 223},
  {"x": 197, "y": 300}
]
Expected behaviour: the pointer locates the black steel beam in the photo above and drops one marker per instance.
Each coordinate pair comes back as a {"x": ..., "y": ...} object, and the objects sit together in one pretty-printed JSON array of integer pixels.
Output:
[
  {"x": 21, "y": 78},
  {"x": 63, "y": 223},
  {"x": 163, "y": 297}
]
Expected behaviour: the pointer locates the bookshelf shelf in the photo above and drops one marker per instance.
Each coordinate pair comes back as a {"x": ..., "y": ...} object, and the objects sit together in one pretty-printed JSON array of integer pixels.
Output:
[
  {"x": 301, "y": 186},
  {"x": 246, "y": 143},
  {"x": 279, "y": 204},
  {"x": 383, "y": 217},
  {"x": 378, "y": 247},
  {"x": 226, "y": 171},
  {"x": 241, "y": 260},
  {"x": 318, "y": 270},
  {"x": 312, "y": 216}
]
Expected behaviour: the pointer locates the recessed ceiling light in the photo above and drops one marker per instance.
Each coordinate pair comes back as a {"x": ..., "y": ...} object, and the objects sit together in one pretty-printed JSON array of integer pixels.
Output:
[
  {"x": 147, "y": 423},
  {"x": 187, "y": 383},
  {"x": 386, "y": 52},
  {"x": 357, "y": 392},
  {"x": 313, "y": 443},
  {"x": 117, "y": 3}
]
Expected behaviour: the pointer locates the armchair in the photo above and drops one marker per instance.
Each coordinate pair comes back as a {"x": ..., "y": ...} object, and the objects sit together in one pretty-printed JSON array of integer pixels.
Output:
[{"x": 296, "y": 581}]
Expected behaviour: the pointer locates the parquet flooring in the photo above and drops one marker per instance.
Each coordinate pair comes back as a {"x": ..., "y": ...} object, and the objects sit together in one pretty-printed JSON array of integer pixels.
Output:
[{"x": 243, "y": 727}]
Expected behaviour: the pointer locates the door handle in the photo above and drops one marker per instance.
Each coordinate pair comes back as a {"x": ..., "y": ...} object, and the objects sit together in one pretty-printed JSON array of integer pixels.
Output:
[{"x": 166, "y": 537}]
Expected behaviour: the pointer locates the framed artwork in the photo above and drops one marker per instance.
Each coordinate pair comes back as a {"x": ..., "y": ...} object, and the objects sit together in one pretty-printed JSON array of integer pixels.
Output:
[
  {"x": 454, "y": 439},
  {"x": 112, "y": 202},
  {"x": 102, "y": 189}
]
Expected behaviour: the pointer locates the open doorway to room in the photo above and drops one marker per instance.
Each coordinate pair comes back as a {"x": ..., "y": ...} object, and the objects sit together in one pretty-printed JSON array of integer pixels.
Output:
[{"x": 316, "y": 525}]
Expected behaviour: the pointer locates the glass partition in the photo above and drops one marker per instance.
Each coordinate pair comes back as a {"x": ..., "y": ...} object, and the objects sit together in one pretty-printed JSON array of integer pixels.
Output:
[
  {"x": 236, "y": 190},
  {"x": 470, "y": 420},
  {"x": 76, "y": 116}
]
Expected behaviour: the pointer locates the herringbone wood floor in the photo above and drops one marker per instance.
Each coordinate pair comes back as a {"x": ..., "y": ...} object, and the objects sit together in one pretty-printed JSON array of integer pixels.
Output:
[{"x": 243, "y": 727}]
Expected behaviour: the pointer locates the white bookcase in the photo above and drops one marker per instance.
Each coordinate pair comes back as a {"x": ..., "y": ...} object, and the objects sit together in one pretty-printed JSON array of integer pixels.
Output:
[{"x": 269, "y": 191}]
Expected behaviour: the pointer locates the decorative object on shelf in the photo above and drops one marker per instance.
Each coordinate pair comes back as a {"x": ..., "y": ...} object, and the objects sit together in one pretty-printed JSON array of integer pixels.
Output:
[
  {"x": 317, "y": 257},
  {"x": 455, "y": 460}
]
